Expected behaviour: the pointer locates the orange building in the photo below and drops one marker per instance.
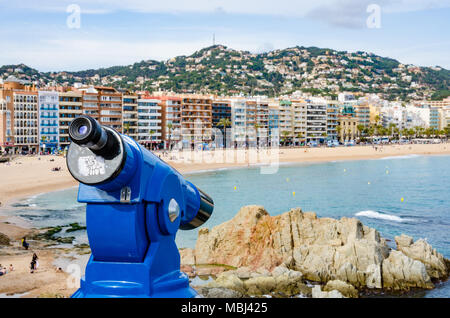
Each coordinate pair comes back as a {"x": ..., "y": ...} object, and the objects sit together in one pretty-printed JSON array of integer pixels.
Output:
[{"x": 18, "y": 117}]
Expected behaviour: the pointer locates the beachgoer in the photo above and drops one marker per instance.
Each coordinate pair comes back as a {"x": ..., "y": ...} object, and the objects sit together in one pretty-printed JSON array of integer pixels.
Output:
[
  {"x": 11, "y": 267},
  {"x": 24, "y": 243},
  {"x": 32, "y": 266}
]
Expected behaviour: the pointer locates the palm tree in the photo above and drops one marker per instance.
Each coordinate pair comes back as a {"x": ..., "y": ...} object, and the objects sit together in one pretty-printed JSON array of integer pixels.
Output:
[
  {"x": 151, "y": 141},
  {"x": 324, "y": 135},
  {"x": 257, "y": 126},
  {"x": 224, "y": 122},
  {"x": 338, "y": 130},
  {"x": 127, "y": 128},
  {"x": 360, "y": 129},
  {"x": 300, "y": 136},
  {"x": 170, "y": 127},
  {"x": 377, "y": 119},
  {"x": 285, "y": 136}
]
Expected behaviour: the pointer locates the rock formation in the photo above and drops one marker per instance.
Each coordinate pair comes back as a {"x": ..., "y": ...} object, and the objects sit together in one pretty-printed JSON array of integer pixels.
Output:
[
  {"x": 4, "y": 240},
  {"x": 421, "y": 251},
  {"x": 341, "y": 252}
]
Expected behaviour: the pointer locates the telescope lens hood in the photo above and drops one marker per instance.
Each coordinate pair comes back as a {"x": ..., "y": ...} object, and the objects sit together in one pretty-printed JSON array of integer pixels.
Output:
[{"x": 203, "y": 214}]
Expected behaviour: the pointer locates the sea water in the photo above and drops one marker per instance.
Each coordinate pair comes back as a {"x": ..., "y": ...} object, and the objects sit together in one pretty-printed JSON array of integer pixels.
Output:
[{"x": 409, "y": 194}]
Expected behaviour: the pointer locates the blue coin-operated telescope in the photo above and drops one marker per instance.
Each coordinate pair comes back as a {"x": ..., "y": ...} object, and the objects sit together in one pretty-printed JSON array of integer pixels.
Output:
[{"x": 135, "y": 205}]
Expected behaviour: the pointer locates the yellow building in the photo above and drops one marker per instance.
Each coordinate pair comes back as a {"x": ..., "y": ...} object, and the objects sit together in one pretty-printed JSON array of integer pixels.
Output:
[{"x": 348, "y": 128}]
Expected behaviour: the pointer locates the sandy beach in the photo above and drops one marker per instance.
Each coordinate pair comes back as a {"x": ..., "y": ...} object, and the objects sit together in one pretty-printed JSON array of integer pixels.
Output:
[{"x": 27, "y": 176}]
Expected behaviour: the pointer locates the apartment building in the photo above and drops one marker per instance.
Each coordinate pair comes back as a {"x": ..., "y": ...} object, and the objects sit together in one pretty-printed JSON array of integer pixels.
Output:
[
  {"x": 436, "y": 103},
  {"x": 238, "y": 121},
  {"x": 434, "y": 117},
  {"x": 104, "y": 104},
  {"x": 285, "y": 117},
  {"x": 274, "y": 116},
  {"x": 48, "y": 121},
  {"x": 298, "y": 121},
  {"x": 196, "y": 119},
  {"x": 171, "y": 121},
  {"x": 130, "y": 115},
  {"x": 70, "y": 107},
  {"x": 149, "y": 121},
  {"x": 444, "y": 117},
  {"x": 332, "y": 120},
  {"x": 6, "y": 135},
  {"x": 316, "y": 122},
  {"x": 220, "y": 109},
  {"x": 19, "y": 117},
  {"x": 362, "y": 113},
  {"x": 110, "y": 105},
  {"x": 348, "y": 128},
  {"x": 262, "y": 118}
]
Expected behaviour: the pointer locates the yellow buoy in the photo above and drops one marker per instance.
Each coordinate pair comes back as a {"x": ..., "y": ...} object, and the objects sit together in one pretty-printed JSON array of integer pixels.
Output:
[
  {"x": 293, "y": 193},
  {"x": 235, "y": 187},
  {"x": 402, "y": 199}
]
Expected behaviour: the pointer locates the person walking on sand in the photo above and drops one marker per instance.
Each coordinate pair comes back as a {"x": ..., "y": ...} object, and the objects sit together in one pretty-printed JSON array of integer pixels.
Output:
[{"x": 34, "y": 263}]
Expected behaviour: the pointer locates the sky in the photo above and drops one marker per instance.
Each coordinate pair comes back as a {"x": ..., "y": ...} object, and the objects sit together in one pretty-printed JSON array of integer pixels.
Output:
[{"x": 50, "y": 35}]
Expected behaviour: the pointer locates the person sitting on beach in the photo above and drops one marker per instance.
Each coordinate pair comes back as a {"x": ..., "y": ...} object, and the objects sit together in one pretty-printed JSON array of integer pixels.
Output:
[
  {"x": 11, "y": 267},
  {"x": 24, "y": 243},
  {"x": 2, "y": 270}
]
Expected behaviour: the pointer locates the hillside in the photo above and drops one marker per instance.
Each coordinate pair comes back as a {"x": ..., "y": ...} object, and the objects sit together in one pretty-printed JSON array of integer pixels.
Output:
[{"x": 218, "y": 69}]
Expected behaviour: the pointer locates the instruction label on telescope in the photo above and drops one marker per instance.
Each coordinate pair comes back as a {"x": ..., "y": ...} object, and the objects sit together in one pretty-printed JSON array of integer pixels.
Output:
[{"x": 91, "y": 166}]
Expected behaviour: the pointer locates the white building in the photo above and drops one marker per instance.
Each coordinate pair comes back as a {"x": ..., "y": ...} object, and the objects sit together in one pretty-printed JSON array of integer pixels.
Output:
[
  {"x": 48, "y": 120},
  {"x": 149, "y": 121}
]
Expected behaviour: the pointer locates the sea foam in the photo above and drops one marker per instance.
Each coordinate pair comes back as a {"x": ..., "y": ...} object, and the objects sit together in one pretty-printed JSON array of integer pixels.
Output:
[{"x": 377, "y": 215}]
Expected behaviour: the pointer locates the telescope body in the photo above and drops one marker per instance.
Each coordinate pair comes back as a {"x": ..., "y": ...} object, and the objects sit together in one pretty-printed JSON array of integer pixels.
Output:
[{"x": 135, "y": 205}]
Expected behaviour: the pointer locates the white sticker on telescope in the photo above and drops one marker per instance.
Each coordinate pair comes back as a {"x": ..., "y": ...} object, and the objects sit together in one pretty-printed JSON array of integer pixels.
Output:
[{"x": 91, "y": 166}]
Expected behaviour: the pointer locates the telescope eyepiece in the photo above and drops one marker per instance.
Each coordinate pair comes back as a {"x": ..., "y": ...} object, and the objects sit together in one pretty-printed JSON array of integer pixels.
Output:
[{"x": 86, "y": 131}]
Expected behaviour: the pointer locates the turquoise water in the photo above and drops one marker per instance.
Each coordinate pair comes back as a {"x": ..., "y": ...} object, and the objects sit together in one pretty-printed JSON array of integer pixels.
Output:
[{"x": 371, "y": 190}]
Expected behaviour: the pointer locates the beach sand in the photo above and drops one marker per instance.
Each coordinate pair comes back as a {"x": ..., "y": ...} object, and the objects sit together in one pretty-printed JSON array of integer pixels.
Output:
[{"x": 26, "y": 176}]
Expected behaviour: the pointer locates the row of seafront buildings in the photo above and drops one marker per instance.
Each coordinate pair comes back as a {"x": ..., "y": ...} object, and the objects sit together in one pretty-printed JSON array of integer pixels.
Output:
[{"x": 37, "y": 120}]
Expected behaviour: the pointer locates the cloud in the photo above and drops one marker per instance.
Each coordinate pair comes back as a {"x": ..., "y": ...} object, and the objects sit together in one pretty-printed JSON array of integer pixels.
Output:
[{"x": 292, "y": 8}]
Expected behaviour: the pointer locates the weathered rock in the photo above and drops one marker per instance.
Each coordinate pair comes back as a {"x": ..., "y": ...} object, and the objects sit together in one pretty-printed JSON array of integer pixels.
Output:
[
  {"x": 218, "y": 292},
  {"x": 318, "y": 293},
  {"x": 187, "y": 256},
  {"x": 202, "y": 270},
  {"x": 285, "y": 283},
  {"x": 4, "y": 240},
  {"x": 229, "y": 281},
  {"x": 345, "y": 289},
  {"x": 400, "y": 272},
  {"x": 188, "y": 269},
  {"x": 259, "y": 286},
  {"x": 422, "y": 251},
  {"x": 322, "y": 249}
]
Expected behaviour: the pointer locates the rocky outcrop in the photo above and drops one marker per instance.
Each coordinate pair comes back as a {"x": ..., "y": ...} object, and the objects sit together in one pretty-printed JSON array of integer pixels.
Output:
[
  {"x": 423, "y": 252},
  {"x": 318, "y": 293},
  {"x": 345, "y": 289},
  {"x": 322, "y": 249},
  {"x": 4, "y": 240},
  {"x": 400, "y": 272},
  {"x": 281, "y": 282},
  {"x": 341, "y": 252},
  {"x": 187, "y": 256}
]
